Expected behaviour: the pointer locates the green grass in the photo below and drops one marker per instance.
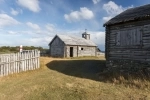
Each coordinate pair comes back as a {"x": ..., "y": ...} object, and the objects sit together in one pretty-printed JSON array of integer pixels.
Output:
[{"x": 68, "y": 79}]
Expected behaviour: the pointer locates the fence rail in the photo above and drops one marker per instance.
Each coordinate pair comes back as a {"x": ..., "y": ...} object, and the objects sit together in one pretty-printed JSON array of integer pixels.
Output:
[{"x": 19, "y": 62}]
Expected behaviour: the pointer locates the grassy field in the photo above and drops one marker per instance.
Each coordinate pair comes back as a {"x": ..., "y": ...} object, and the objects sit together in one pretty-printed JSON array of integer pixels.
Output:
[{"x": 71, "y": 79}]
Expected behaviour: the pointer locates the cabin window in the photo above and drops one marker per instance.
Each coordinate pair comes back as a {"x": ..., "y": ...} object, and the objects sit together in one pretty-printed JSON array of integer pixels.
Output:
[
  {"x": 80, "y": 48},
  {"x": 129, "y": 37}
]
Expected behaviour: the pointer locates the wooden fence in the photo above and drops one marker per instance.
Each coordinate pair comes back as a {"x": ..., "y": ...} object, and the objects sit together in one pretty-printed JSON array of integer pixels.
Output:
[{"x": 19, "y": 62}]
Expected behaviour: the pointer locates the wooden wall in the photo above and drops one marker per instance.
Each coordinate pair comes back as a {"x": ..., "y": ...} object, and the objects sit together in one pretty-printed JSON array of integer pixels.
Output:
[
  {"x": 79, "y": 51},
  {"x": 57, "y": 48},
  {"x": 128, "y": 41},
  {"x": 86, "y": 51}
]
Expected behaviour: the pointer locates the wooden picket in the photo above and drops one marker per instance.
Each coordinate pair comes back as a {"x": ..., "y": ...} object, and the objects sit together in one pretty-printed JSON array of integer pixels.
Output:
[{"x": 19, "y": 62}]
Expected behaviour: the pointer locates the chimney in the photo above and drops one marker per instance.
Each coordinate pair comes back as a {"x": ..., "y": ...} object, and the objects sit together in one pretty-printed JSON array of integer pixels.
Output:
[{"x": 85, "y": 35}]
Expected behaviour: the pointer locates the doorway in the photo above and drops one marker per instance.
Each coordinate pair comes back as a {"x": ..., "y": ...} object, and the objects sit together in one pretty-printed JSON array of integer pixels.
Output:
[{"x": 71, "y": 51}]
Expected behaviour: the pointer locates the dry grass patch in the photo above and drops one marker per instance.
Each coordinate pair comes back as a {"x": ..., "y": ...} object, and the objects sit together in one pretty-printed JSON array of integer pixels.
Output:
[{"x": 68, "y": 79}]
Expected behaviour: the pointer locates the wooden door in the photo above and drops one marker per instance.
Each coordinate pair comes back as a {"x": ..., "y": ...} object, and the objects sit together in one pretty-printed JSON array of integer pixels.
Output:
[{"x": 71, "y": 51}]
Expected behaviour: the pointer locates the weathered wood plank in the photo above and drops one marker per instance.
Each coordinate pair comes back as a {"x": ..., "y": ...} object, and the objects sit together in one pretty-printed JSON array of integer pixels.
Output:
[
  {"x": 15, "y": 63},
  {"x": 146, "y": 38}
]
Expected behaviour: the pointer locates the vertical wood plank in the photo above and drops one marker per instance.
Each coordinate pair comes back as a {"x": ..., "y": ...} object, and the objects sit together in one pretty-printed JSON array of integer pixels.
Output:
[
  {"x": 1, "y": 66},
  {"x": 18, "y": 63},
  {"x": 38, "y": 59},
  {"x": 4, "y": 73},
  {"x": 7, "y": 67}
]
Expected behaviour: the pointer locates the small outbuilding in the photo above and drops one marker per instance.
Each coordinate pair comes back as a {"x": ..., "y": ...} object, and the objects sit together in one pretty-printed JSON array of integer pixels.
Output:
[
  {"x": 72, "y": 46},
  {"x": 128, "y": 38}
]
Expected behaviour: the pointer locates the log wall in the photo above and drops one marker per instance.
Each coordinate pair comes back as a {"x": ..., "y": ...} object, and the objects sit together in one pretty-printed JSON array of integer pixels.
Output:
[{"x": 128, "y": 42}]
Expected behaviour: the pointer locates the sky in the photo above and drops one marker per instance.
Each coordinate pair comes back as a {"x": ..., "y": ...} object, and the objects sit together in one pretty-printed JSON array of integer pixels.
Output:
[{"x": 36, "y": 22}]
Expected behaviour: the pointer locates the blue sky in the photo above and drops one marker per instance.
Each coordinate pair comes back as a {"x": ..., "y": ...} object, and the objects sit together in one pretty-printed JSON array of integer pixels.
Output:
[{"x": 36, "y": 22}]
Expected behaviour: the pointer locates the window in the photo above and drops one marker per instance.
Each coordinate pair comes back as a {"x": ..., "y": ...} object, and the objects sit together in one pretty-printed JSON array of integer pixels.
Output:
[
  {"x": 129, "y": 37},
  {"x": 80, "y": 48}
]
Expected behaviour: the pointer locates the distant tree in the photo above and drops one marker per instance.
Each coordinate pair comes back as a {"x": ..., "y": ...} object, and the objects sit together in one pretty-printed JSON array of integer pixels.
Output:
[{"x": 16, "y": 49}]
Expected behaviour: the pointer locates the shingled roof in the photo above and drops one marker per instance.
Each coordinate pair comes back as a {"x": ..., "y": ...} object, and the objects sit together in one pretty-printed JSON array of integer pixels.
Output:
[
  {"x": 73, "y": 40},
  {"x": 131, "y": 14}
]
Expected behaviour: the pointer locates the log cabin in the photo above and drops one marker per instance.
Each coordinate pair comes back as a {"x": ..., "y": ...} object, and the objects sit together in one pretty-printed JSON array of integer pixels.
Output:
[{"x": 127, "y": 43}]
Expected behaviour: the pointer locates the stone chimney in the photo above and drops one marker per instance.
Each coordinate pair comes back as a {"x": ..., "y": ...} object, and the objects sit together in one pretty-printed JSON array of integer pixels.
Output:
[{"x": 86, "y": 35}]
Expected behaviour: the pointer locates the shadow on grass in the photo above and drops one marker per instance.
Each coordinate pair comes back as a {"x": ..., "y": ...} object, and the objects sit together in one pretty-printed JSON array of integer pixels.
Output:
[
  {"x": 95, "y": 70},
  {"x": 88, "y": 69}
]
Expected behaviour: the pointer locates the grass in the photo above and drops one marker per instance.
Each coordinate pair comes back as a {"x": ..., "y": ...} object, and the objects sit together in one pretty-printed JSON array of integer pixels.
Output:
[{"x": 71, "y": 79}]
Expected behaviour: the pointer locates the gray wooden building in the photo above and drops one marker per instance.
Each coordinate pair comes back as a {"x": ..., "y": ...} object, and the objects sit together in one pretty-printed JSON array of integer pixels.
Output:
[
  {"x": 128, "y": 37},
  {"x": 72, "y": 46}
]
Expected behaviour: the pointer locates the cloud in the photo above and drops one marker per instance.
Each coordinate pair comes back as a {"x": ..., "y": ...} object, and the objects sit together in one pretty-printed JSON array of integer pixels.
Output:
[
  {"x": 12, "y": 32},
  {"x": 6, "y": 20},
  {"x": 98, "y": 37},
  {"x": 33, "y": 26},
  {"x": 14, "y": 12},
  {"x": 84, "y": 13},
  {"x": 113, "y": 9},
  {"x": 36, "y": 41},
  {"x": 95, "y": 1},
  {"x": 24, "y": 39},
  {"x": 107, "y": 18},
  {"x": 50, "y": 27},
  {"x": 31, "y": 38},
  {"x": 32, "y": 5}
]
